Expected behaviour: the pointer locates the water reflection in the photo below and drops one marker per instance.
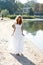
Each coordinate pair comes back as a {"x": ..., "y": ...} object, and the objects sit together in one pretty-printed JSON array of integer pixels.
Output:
[
  {"x": 33, "y": 26},
  {"x": 36, "y": 39},
  {"x": 34, "y": 32}
]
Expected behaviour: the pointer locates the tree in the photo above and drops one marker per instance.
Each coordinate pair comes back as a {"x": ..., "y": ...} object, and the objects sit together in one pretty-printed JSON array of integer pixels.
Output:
[
  {"x": 36, "y": 7},
  {"x": 4, "y": 12},
  {"x": 20, "y": 7},
  {"x": 41, "y": 7},
  {"x": 0, "y": 9},
  {"x": 13, "y": 1},
  {"x": 11, "y": 5},
  {"x": 31, "y": 12}
]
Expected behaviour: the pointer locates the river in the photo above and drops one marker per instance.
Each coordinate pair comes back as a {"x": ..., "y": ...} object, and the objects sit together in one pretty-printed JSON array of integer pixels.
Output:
[
  {"x": 34, "y": 32},
  {"x": 36, "y": 39}
]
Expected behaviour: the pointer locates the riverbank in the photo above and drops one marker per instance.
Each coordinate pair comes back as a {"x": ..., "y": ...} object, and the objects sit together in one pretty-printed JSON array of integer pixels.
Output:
[{"x": 31, "y": 54}]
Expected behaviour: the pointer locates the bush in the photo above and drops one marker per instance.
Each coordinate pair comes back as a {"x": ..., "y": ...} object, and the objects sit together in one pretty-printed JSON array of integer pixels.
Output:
[
  {"x": 39, "y": 16},
  {"x": 12, "y": 16},
  {"x": 28, "y": 17},
  {"x": 4, "y": 12},
  {"x": 23, "y": 16}
]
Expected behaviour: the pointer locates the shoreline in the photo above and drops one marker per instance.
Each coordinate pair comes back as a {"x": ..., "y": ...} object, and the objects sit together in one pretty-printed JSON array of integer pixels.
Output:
[{"x": 31, "y": 54}]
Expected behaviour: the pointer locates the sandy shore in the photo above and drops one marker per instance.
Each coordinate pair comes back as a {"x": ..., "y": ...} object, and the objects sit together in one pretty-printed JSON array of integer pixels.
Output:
[{"x": 31, "y": 54}]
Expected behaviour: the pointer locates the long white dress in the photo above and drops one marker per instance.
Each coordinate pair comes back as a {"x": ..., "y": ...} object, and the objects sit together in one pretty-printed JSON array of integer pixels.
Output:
[{"x": 17, "y": 40}]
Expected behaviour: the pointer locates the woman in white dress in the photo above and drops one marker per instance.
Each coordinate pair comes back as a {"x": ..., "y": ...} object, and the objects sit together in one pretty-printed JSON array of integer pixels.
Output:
[{"x": 16, "y": 42}]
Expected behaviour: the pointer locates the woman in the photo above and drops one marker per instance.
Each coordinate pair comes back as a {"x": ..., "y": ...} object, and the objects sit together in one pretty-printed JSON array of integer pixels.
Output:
[{"x": 17, "y": 36}]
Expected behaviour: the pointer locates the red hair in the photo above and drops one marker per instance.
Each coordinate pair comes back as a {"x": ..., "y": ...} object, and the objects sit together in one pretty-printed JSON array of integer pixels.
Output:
[{"x": 20, "y": 22}]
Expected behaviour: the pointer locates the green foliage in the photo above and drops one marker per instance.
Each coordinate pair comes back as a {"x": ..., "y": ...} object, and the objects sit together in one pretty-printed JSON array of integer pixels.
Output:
[
  {"x": 16, "y": 7},
  {"x": 30, "y": 3},
  {"x": 23, "y": 16},
  {"x": 11, "y": 16},
  {"x": 39, "y": 16},
  {"x": 33, "y": 26},
  {"x": 9, "y": 5},
  {"x": 20, "y": 6},
  {"x": 28, "y": 17},
  {"x": 0, "y": 9},
  {"x": 13, "y": 6},
  {"x": 31, "y": 12},
  {"x": 4, "y": 12}
]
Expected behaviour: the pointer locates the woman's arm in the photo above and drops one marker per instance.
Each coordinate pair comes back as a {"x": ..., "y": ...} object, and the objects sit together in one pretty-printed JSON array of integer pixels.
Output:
[
  {"x": 22, "y": 30},
  {"x": 14, "y": 30}
]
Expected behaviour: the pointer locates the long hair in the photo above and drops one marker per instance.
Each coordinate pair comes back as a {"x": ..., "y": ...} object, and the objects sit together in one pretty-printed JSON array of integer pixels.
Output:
[{"x": 20, "y": 22}]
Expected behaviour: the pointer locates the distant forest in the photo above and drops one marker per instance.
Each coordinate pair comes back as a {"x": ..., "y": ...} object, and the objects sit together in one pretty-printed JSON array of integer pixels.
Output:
[
  {"x": 16, "y": 7},
  {"x": 11, "y": 5}
]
